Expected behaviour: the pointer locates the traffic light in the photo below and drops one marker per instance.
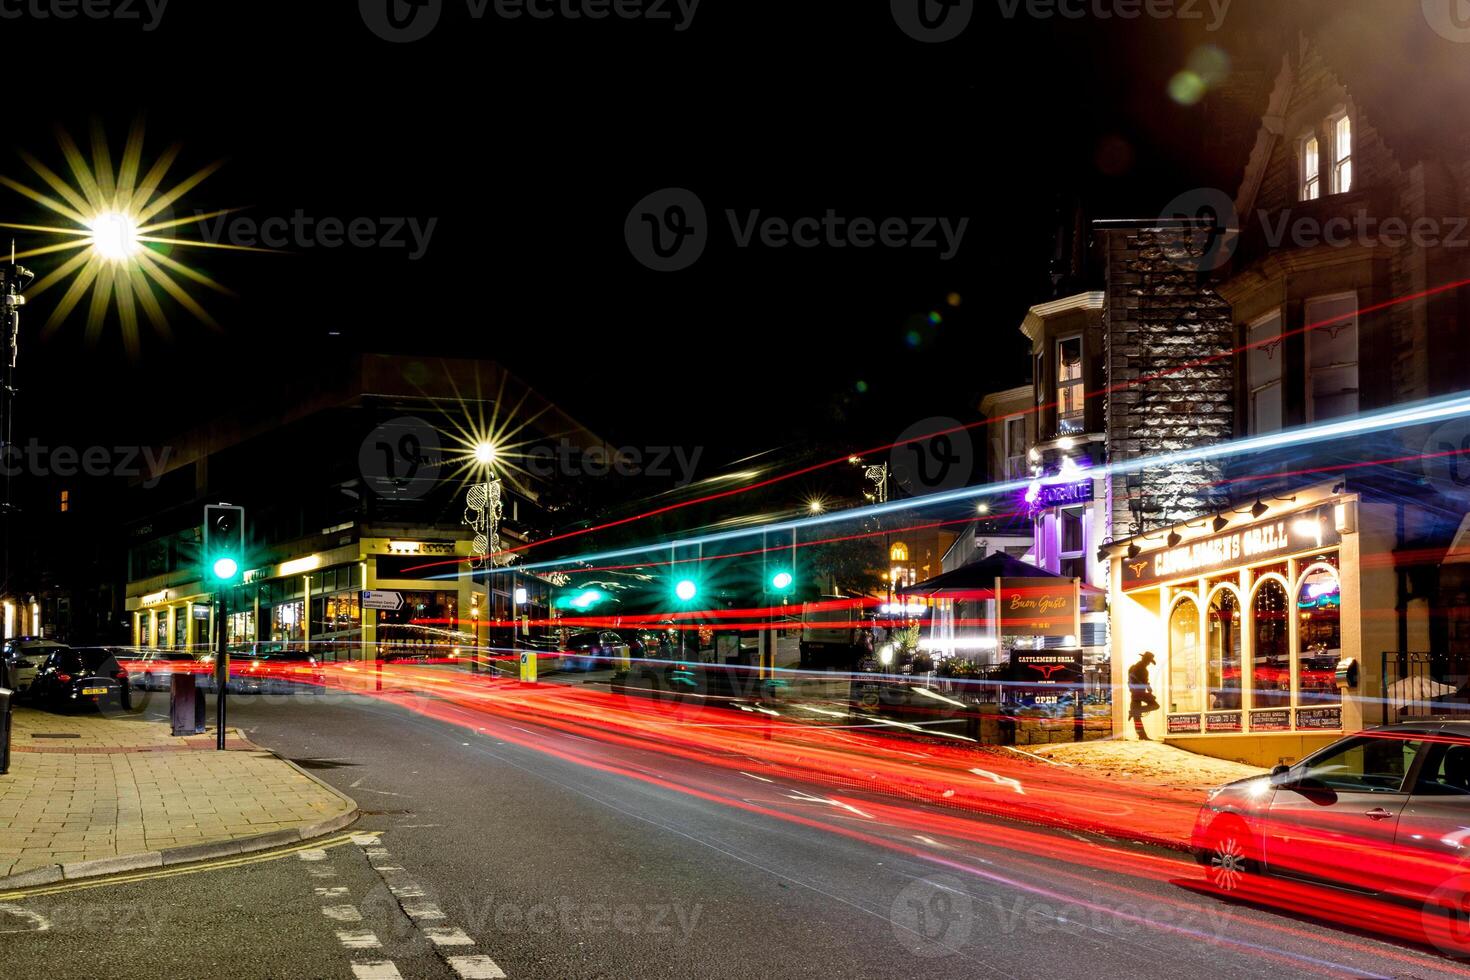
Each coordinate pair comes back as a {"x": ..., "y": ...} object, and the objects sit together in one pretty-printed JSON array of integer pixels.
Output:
[
  {"x": 686, "y": 590},
  {"x": 782, "y": 581},
  {"x": 224, "y": 542}
]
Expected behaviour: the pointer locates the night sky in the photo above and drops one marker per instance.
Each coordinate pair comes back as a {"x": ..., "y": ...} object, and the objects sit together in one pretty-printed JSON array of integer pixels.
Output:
[{"x": 530, "y": 141}]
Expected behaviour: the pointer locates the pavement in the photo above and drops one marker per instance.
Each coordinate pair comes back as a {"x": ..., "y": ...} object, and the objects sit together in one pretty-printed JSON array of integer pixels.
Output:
[
  {"x": 98, "y": 794},
  {"x": 491, "y": 847},
  {"x": 1135, "y": 761}
]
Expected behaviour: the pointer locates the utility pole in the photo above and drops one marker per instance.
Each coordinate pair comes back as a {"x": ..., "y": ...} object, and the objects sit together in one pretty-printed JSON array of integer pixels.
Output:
[{"x": 13, "y": 280}]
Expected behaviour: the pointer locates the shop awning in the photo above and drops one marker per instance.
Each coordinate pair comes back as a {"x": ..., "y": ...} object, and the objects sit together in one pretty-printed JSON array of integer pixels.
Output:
[{"x": 980, "y": 576}]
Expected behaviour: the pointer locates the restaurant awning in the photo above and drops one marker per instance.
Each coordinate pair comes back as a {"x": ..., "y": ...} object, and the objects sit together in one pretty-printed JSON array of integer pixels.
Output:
[{"x": 977, "y": 577}]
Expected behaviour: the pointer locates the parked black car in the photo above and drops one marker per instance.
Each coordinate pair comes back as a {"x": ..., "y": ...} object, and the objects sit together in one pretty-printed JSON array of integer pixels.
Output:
[{"x": 80, "y": 678}]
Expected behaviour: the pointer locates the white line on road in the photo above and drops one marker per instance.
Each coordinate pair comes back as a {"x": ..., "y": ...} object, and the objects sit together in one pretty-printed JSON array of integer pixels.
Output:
[
  {"x": 337, "y": 892},
  {"x": 322, "y": 872},
  {"x": 445, "y": 936},
  {"x": 754, "y": 776},
  {"x": 422, "y": 910},
  {"x": 312, "y": 854},
  {"x": 358, "y": 940},
  {"x": 409, "y": 890},
  {"x": 375, "y": 970},
  {"x": 476, "y": 967},
  {"x": 365, "y": 839},
  {"x": 38, "y": 922},
  {"x": 342, "y": 913}
]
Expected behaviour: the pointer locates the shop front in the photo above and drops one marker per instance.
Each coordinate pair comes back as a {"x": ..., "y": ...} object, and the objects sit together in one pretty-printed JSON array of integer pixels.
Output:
[{"x": 1252, "y": 616}]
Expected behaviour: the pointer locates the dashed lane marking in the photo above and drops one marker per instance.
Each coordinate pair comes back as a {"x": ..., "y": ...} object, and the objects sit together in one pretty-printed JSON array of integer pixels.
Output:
[
  {"x": 342, "y": 913},
  {"x": 475, "y": 967},
  {"x": 447, "y": 936},
  {"x": 422, "y": 910},
  {"x": 358, "y": 939},
  {"x": 375, "y": 970},
  {"x": 406, "y": 890},
  {"x": 312, "y": 854},
  {"x": 337, "y": 892}
]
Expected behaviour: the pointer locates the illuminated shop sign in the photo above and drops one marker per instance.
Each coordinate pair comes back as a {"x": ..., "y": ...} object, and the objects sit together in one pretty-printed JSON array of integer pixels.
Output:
[
  {"x": 1248, "y": 546},
  {"x": 1061, "y": 494}
]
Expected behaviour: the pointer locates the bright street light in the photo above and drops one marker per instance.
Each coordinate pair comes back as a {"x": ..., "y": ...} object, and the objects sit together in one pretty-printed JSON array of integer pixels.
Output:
[
  {"x": 815, "y": 506},
  {"x": 225, "y": 568},
  {"x": 114, "y": 236},
  {"x": 485, "y": 453}
]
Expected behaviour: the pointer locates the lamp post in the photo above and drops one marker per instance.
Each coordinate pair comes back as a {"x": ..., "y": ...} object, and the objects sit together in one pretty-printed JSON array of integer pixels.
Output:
[{"x": 13, "y": 280}]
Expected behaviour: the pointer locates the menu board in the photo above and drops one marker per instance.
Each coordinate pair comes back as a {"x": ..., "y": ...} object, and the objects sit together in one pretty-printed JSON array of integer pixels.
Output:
[
  {"x": 1320, "y": 718},
  {"x": 1183, "y": 724},
  {"x": 1271, "y": 720}
]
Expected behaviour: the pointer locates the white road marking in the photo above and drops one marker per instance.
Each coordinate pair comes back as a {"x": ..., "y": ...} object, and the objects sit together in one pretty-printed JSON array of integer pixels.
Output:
[
  {"x": 805, "y": 798},
  {"x": 342, "y": 913},
  {"x": 754, "y": 776},
  {"x": 1001, "y": 780},
  {"x": 475, "y": 967},
  {"x": 322, "y": 872},
  {"x": 1053, "y": 762},
  {"x": 38, "y": 922},
  {"x": 312, "y": 854},
  {"x": 364, "y": 839},
  {"x": 376, "y": 852},
  {"x": 443, "y": 936},
  {"x": 423, "y": 910},
  {"x": 375, "y": 970},
  {"x": 338, "y": 892},
  {"x": 386, "y": 867},
  {"x": 409, "y": 890},
  {"x": 358, "y": 940}
]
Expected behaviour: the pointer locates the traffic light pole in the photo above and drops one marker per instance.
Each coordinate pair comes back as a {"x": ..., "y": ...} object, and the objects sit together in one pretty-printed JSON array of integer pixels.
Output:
[{"x": 221, "y": 672}]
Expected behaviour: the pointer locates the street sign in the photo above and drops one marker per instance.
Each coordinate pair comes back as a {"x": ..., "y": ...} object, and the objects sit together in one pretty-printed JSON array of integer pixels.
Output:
[{"x": 388, "y": 601}]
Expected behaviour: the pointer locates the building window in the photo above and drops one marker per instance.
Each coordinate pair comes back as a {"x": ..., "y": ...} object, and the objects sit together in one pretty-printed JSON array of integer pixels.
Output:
[
  {"x": 1332, "y": 356},
  {"x": 1070, "y": 391},
  {"x": 181, "y": 627},
  {"x": 1071, "y": 537},
  {"x": 1311, "y": 177},
  {"x": 1319, "y": 634},
  {"x": 1184, "y": 680},
  {"x": 1222, "y": 646},
  {"x": 1263, "y": 373},
  {"x": 65, "y": 501},
  {"x": 1271, "y": 671},
  {"x": 1015, "y": 448},
  {"x": 1342, "y": 154}
]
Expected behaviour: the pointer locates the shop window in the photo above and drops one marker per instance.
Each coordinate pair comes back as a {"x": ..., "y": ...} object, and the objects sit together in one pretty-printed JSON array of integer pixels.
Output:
[
  {"x": 1319, "y": 634},
  {"x": 241, "y": 627},
  {"x": 145, "y": 634},
  {"x": 1271, "y": 669},
  {"x": 1070, "y": 388},
  {"x": 1342, "y": 155},
  {"x": 290, "y": 622},
  {"x": 1263, "y": 373},
  {"x": 1311, "y": 175},
  {"x": 1184, "y": 659},
  {"x": 1222, "y": 651},
  {"x": 181, "y": 627},
  {"x": 1332, "y": 356}
]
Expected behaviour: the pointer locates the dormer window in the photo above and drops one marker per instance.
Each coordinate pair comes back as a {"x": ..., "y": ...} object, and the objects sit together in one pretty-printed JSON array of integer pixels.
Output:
[
  {"x": 1342, "y": 154},
  {"x": 1311, "y": 169}
]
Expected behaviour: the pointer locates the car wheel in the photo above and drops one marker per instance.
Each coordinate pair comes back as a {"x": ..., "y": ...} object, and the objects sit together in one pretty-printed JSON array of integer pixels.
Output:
[{"x": 1228, "y": 858}]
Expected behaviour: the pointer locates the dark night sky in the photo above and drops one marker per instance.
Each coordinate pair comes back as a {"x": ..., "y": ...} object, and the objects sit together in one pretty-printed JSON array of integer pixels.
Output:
[{"x": 530, "y": 141}]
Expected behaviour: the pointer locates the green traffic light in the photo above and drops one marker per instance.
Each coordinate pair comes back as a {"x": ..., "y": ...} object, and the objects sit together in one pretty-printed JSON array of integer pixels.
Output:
[
  {"x": 781, "y": 581},
  {"x": 225, "y": 568},
  {"x": 686, "y": 590}
]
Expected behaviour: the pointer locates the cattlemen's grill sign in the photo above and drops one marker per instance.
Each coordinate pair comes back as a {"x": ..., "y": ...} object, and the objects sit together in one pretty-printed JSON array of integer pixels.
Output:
[{"x": 1202, "y": 556}]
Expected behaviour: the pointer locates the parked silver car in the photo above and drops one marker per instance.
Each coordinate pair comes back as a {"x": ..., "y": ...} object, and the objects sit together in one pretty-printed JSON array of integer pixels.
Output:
[
  {"x": 23, "y": 655},
  {"x": 1384, "y": 811}
]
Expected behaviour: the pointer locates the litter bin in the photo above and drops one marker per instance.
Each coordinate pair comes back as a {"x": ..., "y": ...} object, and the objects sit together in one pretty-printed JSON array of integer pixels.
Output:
[
  {"x": 186, "y": 705},
  {"x": 5, "y": 696}
]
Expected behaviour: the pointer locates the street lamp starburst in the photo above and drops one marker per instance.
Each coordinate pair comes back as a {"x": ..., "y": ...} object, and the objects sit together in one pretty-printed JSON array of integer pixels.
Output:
[{"x": 119, "y": 233}]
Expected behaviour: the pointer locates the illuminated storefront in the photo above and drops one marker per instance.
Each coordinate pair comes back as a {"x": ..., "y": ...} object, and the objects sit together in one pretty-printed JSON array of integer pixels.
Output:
[{"x": 1252, "y": 618}]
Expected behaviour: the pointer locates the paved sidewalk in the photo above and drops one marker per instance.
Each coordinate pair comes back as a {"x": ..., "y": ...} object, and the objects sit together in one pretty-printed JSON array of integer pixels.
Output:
[{"x": 112, "y": 794}]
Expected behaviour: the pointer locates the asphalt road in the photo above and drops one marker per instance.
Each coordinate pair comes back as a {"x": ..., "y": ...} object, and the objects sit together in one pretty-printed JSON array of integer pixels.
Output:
[{"x": 493, "y": 847}]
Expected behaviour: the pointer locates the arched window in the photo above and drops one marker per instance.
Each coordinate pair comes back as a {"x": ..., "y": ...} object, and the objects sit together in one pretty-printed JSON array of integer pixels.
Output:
[
  {"x": 899, "y": 552},
  {"x": 1311, "y": 177},
  {"x": 1271, "y": 669},
  {"x": 1222, "y": 651},
  {"x": 1342, "y": 154},
  {"x": 1319, "y": 634},
  {"x": 1185, "y": 691}
]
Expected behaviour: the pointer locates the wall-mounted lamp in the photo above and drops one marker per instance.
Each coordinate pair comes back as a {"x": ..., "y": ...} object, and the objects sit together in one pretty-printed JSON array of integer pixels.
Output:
[
  {"x": 1259, "y": 507},
  {"x": 1173, "y": 539},
  {"x": 1220, "y": 523}
]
